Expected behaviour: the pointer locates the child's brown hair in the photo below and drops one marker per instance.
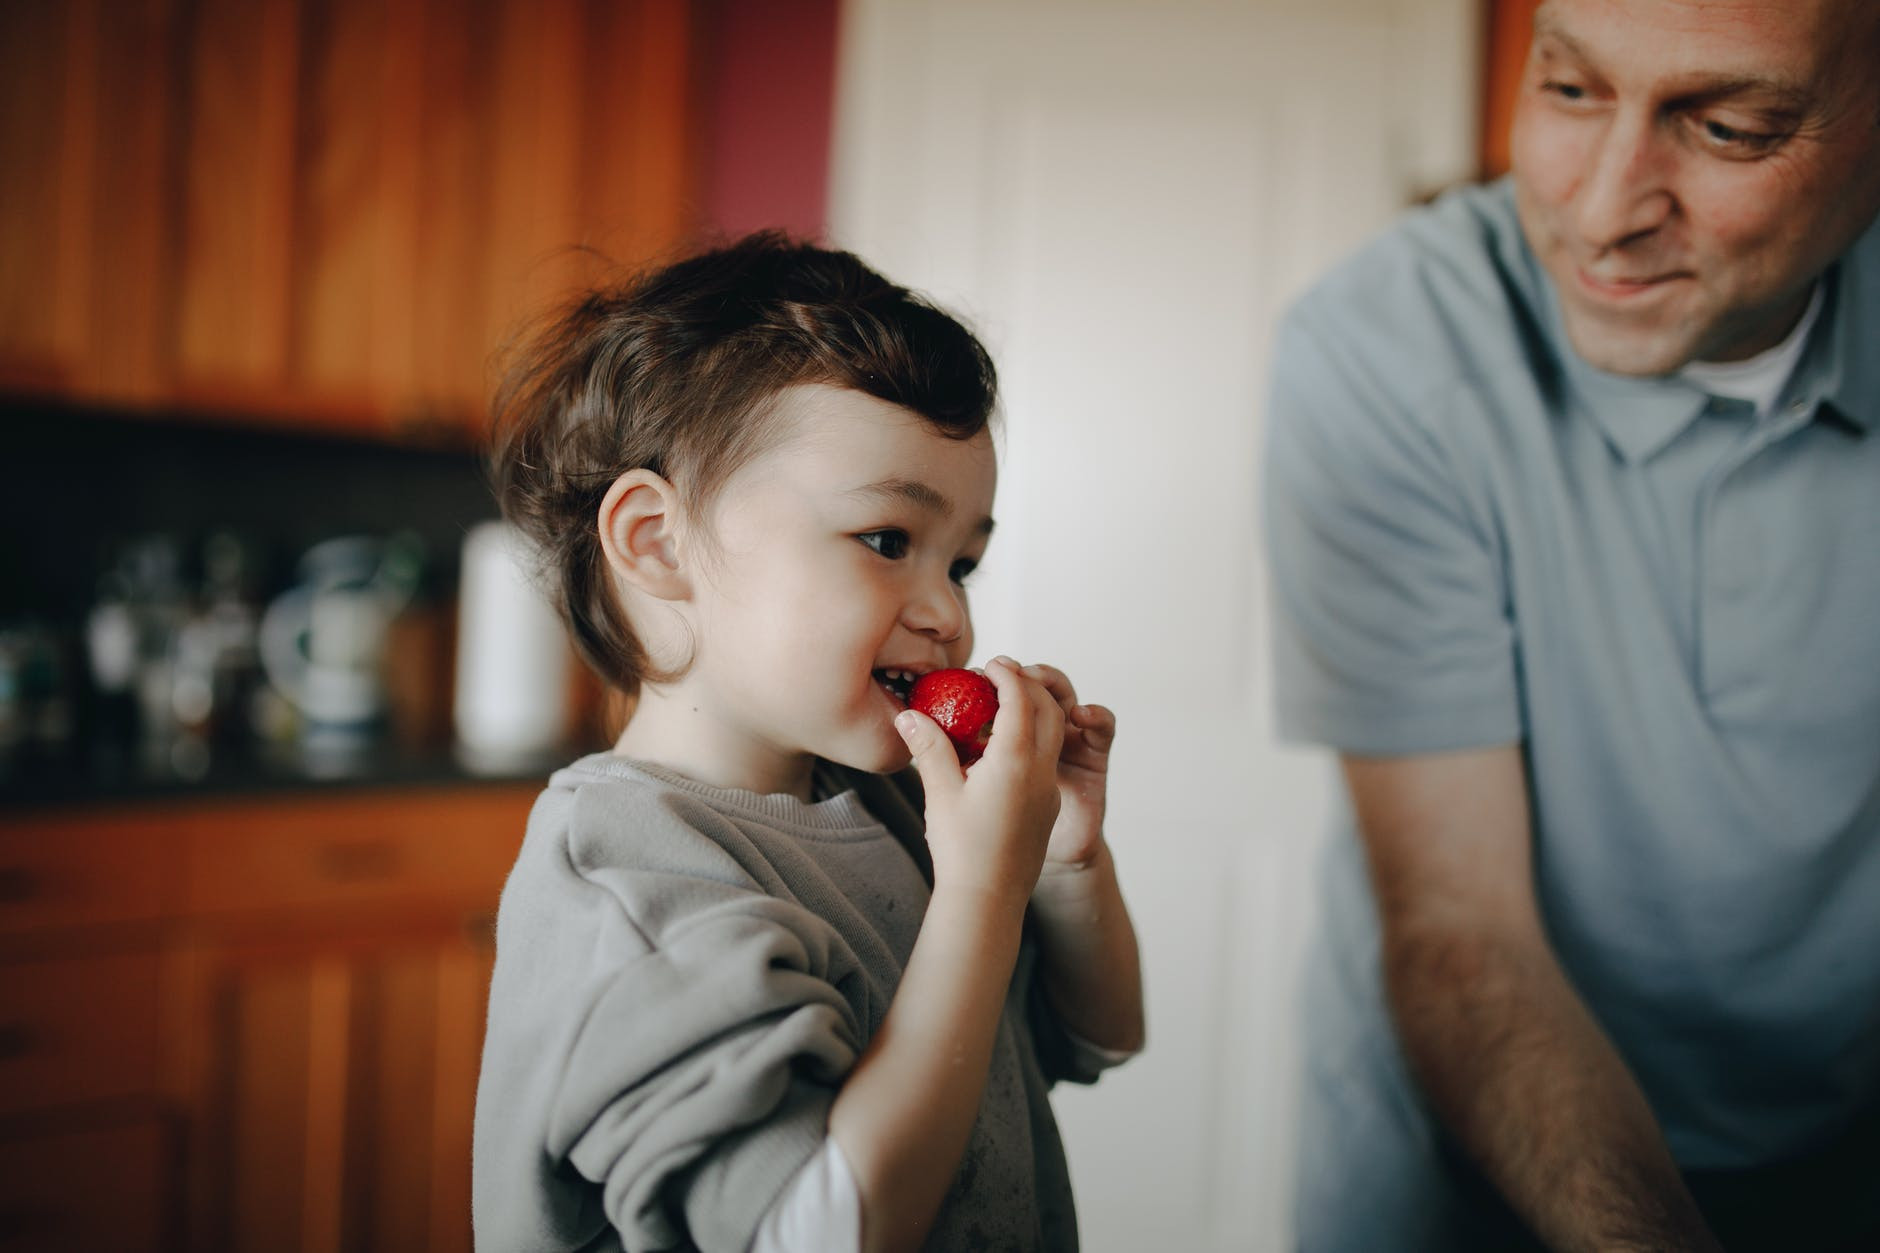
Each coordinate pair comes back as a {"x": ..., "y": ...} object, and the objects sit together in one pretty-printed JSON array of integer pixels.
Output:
[{"x": 674, "y": 372}]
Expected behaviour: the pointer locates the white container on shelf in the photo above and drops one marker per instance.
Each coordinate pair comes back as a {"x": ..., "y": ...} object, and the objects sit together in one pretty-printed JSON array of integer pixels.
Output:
[{"x": 512, "y": 685}]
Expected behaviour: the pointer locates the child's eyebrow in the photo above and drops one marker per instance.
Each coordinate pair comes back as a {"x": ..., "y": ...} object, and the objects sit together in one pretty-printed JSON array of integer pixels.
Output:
[{"x": 916, "y": 493}]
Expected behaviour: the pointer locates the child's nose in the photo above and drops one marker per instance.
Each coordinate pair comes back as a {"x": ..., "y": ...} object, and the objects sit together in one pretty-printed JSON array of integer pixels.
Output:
[{"x": 939, "y": 610}]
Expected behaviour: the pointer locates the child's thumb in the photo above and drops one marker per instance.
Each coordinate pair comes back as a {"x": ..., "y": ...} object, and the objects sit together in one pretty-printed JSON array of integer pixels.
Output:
[{"x": 934, "y": 756}]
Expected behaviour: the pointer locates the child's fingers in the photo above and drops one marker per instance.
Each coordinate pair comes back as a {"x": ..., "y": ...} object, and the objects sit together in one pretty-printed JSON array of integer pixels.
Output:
[
  {"x": 1036, "y": 723},
  {"x": 1055, "y": 682},
  {"x": 935, "y": 759},
  {"x": 1049, "y": 723},
  {"x": 1098, "y": 725},
  {"x": 1012, "y": 725}
]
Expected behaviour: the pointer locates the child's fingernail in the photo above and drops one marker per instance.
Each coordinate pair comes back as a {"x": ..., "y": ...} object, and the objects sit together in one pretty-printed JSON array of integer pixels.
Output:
[
  {"x": 1003, "y": 660},
  {"x": 906, "y": 723}
]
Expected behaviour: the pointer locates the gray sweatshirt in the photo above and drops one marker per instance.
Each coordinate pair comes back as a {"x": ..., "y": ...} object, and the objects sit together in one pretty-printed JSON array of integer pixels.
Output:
[{"x": 684, "y": 976}]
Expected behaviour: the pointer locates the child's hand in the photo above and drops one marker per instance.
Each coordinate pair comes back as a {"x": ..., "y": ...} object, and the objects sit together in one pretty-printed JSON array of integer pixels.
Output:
[
  {"x": 1082, "y": 773},
  {"x": 988, "y": 830}
]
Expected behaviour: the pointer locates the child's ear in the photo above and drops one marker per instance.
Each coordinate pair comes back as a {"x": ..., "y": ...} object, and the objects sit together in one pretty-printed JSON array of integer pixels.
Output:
[{"x": 639, "y": 520}]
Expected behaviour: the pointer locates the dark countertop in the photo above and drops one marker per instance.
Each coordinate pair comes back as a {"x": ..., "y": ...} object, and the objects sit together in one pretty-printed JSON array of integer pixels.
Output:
[{"x": 79, "y": 777}]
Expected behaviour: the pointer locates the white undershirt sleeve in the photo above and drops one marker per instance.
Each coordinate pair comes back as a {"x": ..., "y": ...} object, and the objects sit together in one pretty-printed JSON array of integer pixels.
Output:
[{"x": 818, "y": 1211}]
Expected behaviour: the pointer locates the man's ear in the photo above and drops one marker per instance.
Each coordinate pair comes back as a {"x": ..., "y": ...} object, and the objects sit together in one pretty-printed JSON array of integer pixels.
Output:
[{"x": 639, "y": 525}]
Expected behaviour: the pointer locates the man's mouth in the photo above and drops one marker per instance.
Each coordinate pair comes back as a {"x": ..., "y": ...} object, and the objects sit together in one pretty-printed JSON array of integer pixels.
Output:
[
  {"x": 896, "y": 683},
  {"x": 1622, "y": 287}
]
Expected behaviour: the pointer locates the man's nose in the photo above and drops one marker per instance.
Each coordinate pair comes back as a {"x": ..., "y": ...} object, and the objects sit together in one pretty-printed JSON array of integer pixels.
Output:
[{"x": 1626, "y": 191}]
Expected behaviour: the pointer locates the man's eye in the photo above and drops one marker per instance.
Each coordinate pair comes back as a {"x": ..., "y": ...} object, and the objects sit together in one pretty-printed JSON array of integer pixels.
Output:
[
  {"x": 1729, "y": 139},
  {"x": 1566, "y": 91},
  {"x": 960, "y": 570},
  {"x": 890, "y": 544}
]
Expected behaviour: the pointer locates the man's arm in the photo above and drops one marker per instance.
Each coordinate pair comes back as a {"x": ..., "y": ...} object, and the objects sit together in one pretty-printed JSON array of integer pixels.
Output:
[{"x": 1502, "y": 1044}]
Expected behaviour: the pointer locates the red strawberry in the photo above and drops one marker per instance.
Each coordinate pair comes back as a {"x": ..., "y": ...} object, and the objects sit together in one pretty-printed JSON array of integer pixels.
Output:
[{"x": 963, "y": 703}]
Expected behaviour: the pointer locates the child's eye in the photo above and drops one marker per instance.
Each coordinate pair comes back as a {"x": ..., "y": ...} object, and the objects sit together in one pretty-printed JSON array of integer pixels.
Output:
[
  {"x": 961, "y": 569},
  {"x": 890, "y": 544}
]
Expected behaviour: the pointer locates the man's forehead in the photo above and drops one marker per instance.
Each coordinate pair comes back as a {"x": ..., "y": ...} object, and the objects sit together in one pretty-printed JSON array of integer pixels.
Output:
[{"x": 1783, "y": 41}]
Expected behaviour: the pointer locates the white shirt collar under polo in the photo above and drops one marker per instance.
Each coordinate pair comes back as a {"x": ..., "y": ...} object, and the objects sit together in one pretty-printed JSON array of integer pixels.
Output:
[{"x": 1761, "y": 378}]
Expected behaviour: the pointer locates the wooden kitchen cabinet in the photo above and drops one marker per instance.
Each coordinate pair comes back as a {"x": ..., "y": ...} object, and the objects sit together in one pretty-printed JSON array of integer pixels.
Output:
[
  {"x": 256, "y": 1024},
  {"x": 87, "y": 1188},
  {"x": 333, "y": 1083},
  {"x": 323, "y": 211}
]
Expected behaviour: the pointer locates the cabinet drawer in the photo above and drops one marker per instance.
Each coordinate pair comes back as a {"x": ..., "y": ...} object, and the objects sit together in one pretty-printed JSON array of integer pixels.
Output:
[
  {"x": 76, "y": 1030},
  {"x": 79, "y": 871},
  {"x": 86, "y": 1191},
  {"x": 454, "y": 847}
]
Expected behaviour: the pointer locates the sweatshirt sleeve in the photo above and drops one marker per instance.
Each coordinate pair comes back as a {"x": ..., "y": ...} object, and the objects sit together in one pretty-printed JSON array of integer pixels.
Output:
[{"x": 665, "y": 1038}]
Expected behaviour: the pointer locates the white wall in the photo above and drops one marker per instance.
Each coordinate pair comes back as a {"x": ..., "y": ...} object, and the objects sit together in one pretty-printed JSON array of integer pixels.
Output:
[{"x": 1122, "y": 197}]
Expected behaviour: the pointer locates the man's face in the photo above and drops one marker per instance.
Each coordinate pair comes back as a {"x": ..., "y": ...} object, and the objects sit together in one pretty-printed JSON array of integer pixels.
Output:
[{"x": 1685, "y": 169}]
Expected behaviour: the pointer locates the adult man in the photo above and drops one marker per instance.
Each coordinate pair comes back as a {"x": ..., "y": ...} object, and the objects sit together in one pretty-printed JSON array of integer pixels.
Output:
[{"x": 1574, "y": 515}]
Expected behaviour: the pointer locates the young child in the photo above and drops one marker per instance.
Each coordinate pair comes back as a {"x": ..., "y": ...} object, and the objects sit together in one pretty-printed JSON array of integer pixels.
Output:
[{"x": 758, "y": 986}]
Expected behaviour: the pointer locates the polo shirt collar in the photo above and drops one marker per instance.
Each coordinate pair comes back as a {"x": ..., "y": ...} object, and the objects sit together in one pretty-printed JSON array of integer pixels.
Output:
[
  {"x": 1841, "y": 369},
  {"x": 1638, "y": 416}
]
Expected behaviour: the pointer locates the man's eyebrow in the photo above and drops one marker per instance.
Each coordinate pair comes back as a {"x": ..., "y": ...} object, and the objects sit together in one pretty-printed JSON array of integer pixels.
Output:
[
  {"x": 1783, "y": 95},
  {"x": 916, "y": 493},
  {"x": 1547, "y": 26}
]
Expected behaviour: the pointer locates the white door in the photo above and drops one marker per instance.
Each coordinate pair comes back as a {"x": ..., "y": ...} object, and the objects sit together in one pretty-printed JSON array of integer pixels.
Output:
[{"x": 1122, "y": 197}]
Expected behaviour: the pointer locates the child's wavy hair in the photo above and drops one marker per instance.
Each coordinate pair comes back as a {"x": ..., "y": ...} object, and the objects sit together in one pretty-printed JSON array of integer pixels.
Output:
[{"x": 674, "y": 372}]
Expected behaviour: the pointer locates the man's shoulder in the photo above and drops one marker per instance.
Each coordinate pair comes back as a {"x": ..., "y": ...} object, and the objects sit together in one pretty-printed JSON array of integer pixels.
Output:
[
  {"x": 1860, "y": 274},
  {"x": 1447, "y": 290}
]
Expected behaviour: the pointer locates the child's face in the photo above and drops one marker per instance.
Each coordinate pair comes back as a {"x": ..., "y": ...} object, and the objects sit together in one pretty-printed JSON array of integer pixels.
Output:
[{"x": 839, "y": 554}]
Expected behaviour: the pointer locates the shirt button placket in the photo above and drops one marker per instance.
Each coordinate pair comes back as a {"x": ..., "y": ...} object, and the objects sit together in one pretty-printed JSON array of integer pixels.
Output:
[
  {"x": 1731, "y": 547},
  {"x": 1734, "y": 547}
]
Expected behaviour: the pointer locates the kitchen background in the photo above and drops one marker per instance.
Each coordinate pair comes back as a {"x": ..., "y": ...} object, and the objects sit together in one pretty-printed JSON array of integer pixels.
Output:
[{"x": 270, "y": 718}]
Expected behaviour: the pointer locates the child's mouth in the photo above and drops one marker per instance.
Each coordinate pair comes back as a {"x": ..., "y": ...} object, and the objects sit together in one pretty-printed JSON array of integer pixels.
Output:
[{"x": 896, "y": 683}]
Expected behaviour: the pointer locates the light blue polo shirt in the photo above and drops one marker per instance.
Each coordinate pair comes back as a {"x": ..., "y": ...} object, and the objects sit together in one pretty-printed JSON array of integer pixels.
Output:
[{"x": 1478, "y": 539}]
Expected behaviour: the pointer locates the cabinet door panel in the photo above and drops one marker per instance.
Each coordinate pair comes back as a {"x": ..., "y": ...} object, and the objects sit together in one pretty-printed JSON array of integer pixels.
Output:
[
  {"x": 130, "y": 239},
  {"x": 636, "y": 119},
  {"x": 238, "y": 181},
  {"x": 46, "y": 128},
  {"x": 346, "y": 852},
  {"x": 451, "y": 252},
  {"x": 537, "y": 81},
  {"x": 104, "y": 1190},
  {"x": 339, "y": 1082},
  {"x": 76, "y": 872},
  {"x": 358, "y": 198},
  {"x": 78, "y": 1030}
]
